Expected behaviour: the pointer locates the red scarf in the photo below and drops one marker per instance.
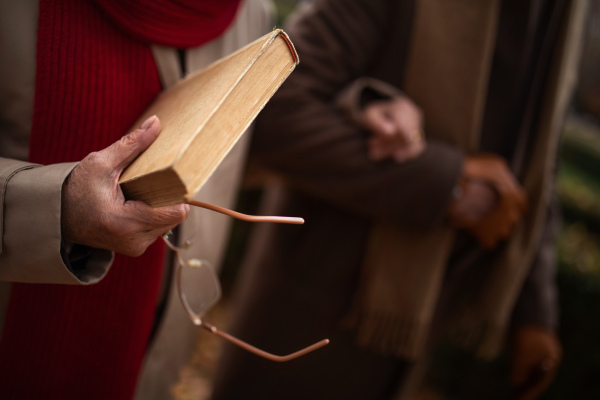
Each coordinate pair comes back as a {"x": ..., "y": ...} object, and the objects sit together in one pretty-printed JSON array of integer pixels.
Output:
[{"x": 94, "y": 78}]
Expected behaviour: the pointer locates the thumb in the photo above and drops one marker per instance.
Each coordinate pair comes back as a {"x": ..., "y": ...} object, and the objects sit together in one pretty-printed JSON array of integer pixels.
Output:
[
  {"x": 124, "y": 151},
  {"x": 378, "y": 122}
]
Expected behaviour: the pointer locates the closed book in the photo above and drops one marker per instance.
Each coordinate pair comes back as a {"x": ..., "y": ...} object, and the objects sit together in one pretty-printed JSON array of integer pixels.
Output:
[{"x": 203, "y": 116}]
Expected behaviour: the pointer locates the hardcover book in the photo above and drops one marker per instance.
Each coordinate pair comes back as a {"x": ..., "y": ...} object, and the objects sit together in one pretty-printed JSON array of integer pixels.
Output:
[{"x": 203, "y": 116}]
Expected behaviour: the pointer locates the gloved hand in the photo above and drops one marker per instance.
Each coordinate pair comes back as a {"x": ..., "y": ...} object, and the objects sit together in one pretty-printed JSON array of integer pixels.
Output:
[
  {"x": 536, "y": 355},
  {"x": 494, "y": 220}
]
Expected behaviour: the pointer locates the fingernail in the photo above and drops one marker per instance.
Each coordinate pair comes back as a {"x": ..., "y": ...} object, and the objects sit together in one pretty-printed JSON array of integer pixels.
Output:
[{"x": 148, "y": 123}]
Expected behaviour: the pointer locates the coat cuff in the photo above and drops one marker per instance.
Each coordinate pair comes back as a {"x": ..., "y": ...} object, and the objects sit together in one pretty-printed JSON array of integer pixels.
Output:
[
  {"x": 32, "y": 247},
  {"x": 350, "y": 99}
]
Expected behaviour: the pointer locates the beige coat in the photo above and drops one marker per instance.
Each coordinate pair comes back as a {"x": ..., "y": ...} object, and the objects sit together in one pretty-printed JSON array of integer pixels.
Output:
[{"x": 30, "y": 194}]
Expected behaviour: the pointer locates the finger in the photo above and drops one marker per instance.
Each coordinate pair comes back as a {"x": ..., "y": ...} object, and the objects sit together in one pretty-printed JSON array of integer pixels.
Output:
[
  {"x": 378, "y": 121},
  {"x": 121, "y": 153},
  {"x": 512, "y": 197},
  {"x": 144, "y": 224},
  {"x": 408, "y": 122},
  {"x": 150, "y": 219},
  {"x": 171, "y": 216},
  {"x": 509, "y": 187}
]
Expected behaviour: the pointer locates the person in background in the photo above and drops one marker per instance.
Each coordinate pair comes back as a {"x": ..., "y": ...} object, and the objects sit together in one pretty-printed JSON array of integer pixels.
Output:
[
  {"x": 406, "y": 240},
  {"x": 75, "y": 75}
]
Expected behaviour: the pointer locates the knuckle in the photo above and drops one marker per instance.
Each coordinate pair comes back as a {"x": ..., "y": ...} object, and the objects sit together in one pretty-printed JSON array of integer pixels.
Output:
[
  {"x": 94, "y": 158},
  {"x": 173, "y": 215},
  {"x": 130, "y": 139}
]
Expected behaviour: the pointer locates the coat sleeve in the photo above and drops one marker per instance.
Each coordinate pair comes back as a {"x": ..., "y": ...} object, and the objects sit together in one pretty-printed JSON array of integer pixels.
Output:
[
  {"x": 31, "y": 246},
  {"x": 303, "y": 135}
]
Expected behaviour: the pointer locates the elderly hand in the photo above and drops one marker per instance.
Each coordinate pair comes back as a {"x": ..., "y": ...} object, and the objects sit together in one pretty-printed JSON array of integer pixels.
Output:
[
  {"x": 94, "y": 210},
  {"x": 489, "y": 218},
  {"x": 536, "y": 354},
  {"x": 396, "y": 128}
]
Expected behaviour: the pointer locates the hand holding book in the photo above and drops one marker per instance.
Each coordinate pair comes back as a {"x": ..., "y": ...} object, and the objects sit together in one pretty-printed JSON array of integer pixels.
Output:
[
  {"x": 203, "y": 116},
  {"x": 95, "y": 213}
]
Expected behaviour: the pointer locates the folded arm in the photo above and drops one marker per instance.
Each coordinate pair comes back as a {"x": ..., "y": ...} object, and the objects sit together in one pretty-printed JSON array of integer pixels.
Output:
[{"x": 305, "y": 136}]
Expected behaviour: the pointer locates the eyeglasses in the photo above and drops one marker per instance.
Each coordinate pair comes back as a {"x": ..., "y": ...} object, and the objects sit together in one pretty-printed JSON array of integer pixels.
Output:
[{"x": 211, "y": 288}]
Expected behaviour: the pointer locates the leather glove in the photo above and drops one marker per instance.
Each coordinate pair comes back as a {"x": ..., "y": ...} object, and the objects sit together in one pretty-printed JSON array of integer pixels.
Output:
[
  {"x": 508, "y": 209},
  {"x": 536, "y": 355}
]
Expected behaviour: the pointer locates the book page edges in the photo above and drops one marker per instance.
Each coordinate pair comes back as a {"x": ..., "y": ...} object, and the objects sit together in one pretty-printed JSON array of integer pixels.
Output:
[
  {"x": 144, "y": 165},
  {"x": 152, "y": 190},
  {"x": 150, "y": 187},
  {"x": 198, "y": 131},
  {"x": 216, "y": 123}
]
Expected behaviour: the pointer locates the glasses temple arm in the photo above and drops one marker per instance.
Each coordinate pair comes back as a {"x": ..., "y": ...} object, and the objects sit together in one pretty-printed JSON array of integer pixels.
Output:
[
  {"x": 260, "y": 352},
  {"x": 224, "y": 335},
  {"x": 246, "y": 217}
]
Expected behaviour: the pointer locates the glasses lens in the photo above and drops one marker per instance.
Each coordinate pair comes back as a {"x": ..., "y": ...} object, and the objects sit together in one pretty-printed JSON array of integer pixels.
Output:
[{"x": 200, "y": 286}]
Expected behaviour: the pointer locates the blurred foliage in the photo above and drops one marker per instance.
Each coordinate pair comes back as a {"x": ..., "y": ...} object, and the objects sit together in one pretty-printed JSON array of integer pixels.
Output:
[
  {"x": 284, "y": 8},
  {"x": 579, "y": 250},
  {"x": 578, "y": 187}
]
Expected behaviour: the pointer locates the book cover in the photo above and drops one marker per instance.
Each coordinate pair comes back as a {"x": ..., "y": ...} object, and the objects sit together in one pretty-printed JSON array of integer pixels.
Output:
[{"x": 203, "y": 116}]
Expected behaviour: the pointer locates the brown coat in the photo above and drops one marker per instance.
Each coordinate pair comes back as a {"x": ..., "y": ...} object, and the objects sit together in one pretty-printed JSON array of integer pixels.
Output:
[{"x": 299, "y": 287}]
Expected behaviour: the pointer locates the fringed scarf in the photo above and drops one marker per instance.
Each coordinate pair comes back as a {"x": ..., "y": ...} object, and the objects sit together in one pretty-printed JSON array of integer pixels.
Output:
[{"x": 95, "y": 75}]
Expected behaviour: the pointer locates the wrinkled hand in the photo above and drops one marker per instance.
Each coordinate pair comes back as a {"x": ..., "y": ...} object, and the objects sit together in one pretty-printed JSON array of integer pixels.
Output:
[
  {"x": 536, "y": 354},
  {"x": 489, "y": 228},
  {"x": 396, "y": 128},
  {"x": 94, "y": 210}
]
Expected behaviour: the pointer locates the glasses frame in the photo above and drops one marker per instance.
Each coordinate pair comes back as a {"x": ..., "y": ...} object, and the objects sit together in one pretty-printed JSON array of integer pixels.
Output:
[{"x": 196, "y": 318}]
